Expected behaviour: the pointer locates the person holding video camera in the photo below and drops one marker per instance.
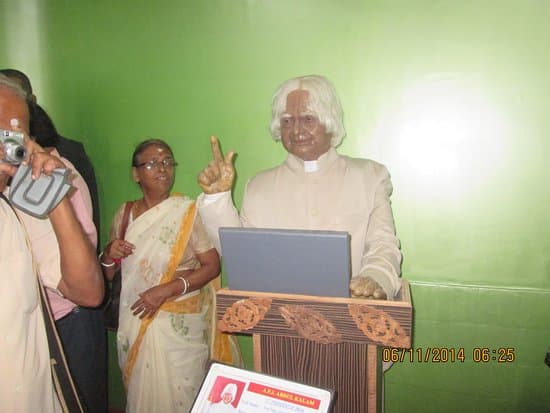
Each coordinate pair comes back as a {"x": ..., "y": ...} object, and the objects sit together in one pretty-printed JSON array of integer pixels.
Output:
[
  {"x": 24, "y": 352},
  {"x": 81, "y": 329},
  {"x": 69, "y": 149}
]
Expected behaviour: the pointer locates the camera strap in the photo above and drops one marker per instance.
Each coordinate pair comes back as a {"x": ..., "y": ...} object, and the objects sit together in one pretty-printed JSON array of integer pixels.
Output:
[{"x": 61, "y": 376}]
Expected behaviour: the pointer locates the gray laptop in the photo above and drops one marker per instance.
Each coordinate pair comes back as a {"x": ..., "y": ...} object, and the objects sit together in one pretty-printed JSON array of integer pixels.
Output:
[{"x": 287, "y": 261}]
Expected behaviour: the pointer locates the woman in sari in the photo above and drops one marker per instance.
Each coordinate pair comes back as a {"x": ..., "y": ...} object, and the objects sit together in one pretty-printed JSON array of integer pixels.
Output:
[{"x": 166, "y": 301}]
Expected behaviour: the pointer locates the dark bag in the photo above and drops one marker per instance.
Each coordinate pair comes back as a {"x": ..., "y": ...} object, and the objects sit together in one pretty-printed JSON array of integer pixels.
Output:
[{"x": 110, "y": 309}]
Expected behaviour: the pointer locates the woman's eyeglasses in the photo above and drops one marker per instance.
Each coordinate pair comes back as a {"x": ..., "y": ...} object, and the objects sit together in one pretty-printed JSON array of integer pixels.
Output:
[{"x": 167, "y": 163}]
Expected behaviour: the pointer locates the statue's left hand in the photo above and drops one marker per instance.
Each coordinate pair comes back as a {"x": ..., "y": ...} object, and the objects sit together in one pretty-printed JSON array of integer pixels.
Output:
[{"x": 366, "y": 287}]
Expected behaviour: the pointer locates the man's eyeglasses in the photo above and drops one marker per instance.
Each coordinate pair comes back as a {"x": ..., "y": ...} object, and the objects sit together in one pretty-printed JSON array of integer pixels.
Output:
[{"x": 167, "y": 163}]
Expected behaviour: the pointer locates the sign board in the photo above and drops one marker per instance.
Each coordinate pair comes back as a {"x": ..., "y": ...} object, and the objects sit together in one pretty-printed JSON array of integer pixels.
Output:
[{"x": 230, "y": 389}]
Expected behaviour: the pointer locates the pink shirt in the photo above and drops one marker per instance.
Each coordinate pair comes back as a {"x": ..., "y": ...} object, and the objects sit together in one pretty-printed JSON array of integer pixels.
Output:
[
  {"x": 82, "y": 205},
  {"x": 44, "y": 241}
]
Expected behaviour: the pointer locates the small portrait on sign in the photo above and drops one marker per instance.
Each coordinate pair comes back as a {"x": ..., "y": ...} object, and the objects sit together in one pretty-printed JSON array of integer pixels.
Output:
[{"x": 225, "y": 395}]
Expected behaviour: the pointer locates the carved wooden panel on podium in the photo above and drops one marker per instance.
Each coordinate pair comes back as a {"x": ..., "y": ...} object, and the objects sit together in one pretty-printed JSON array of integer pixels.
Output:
[{"x": 327, "y": 342}]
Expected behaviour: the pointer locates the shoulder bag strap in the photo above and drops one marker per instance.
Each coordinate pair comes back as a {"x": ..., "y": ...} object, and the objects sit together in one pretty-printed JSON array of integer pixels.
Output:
[{"x": 125, "y": 218}]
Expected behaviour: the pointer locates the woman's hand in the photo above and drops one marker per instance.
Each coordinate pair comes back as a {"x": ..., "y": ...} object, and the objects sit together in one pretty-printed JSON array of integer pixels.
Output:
[
  {"x": 149, "y": 301},
  {"x": 113, "y": 253},
  {"x": 117, "y": 249}
]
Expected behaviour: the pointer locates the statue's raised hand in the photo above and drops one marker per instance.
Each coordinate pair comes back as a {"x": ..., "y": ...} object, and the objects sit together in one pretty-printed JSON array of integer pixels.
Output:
[{"x": 219, "y": 175}]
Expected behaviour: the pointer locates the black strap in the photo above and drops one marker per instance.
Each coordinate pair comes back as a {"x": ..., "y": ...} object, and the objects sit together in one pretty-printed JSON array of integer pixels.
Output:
[
  {"x": 61, "y": 376},
  {"x": 63, "y": 382}
]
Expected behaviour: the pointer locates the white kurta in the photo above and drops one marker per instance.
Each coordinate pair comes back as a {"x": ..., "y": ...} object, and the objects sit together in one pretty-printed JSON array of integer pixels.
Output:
[
  {"x": 24, "y": 355},
  {"x": 344, "y": 194}
]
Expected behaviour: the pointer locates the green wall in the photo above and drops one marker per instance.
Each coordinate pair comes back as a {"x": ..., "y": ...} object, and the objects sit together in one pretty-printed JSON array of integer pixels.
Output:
[{"x": 451, "y": 96}]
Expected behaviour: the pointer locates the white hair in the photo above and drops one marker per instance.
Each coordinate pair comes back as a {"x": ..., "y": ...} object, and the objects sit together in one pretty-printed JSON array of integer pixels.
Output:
[
  {"x": 230, "y": 388},
  {"x": 14, "y": 86},
  {"x": 323, "y": 102}
]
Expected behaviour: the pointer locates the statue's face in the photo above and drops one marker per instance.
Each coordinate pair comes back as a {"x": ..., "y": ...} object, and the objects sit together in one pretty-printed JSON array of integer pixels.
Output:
[
  {"x": 302, "y": 133},
  {"x": 227, "y": 397}
]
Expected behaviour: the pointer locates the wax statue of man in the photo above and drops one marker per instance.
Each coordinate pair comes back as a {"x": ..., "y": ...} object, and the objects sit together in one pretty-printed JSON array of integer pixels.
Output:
[{"x": 314, "y": 188}]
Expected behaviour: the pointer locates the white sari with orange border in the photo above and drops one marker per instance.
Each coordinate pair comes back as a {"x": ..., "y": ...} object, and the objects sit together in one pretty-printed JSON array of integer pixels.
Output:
[{"x": 163, "y": 359}]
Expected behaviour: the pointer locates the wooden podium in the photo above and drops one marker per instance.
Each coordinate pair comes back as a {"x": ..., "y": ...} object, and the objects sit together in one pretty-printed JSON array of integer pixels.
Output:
[{"x": 332, "y": 343}]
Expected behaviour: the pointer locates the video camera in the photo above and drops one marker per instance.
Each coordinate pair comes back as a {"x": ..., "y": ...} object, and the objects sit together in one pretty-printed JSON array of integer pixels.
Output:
[{"x": 36, "y": 197}]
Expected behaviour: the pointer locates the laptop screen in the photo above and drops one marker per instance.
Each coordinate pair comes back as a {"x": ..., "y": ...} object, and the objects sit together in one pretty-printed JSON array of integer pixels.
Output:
[{"x": 287, "y": 261}]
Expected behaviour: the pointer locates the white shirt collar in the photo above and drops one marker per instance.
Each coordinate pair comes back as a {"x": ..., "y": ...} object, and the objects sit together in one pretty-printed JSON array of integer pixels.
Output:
[
  {"x": 319, "y": 165},
  {"x": 311, "y": 166}
]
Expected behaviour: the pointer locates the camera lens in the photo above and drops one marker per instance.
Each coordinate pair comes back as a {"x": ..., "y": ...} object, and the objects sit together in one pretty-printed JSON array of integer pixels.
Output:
[
  {"x": 20, "y": 153},
  {"x": 14, "y": 153}
]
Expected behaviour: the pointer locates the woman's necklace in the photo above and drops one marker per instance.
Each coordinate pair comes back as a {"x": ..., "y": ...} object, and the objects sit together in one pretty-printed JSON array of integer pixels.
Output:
[{"x": 139, "y": 208}]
